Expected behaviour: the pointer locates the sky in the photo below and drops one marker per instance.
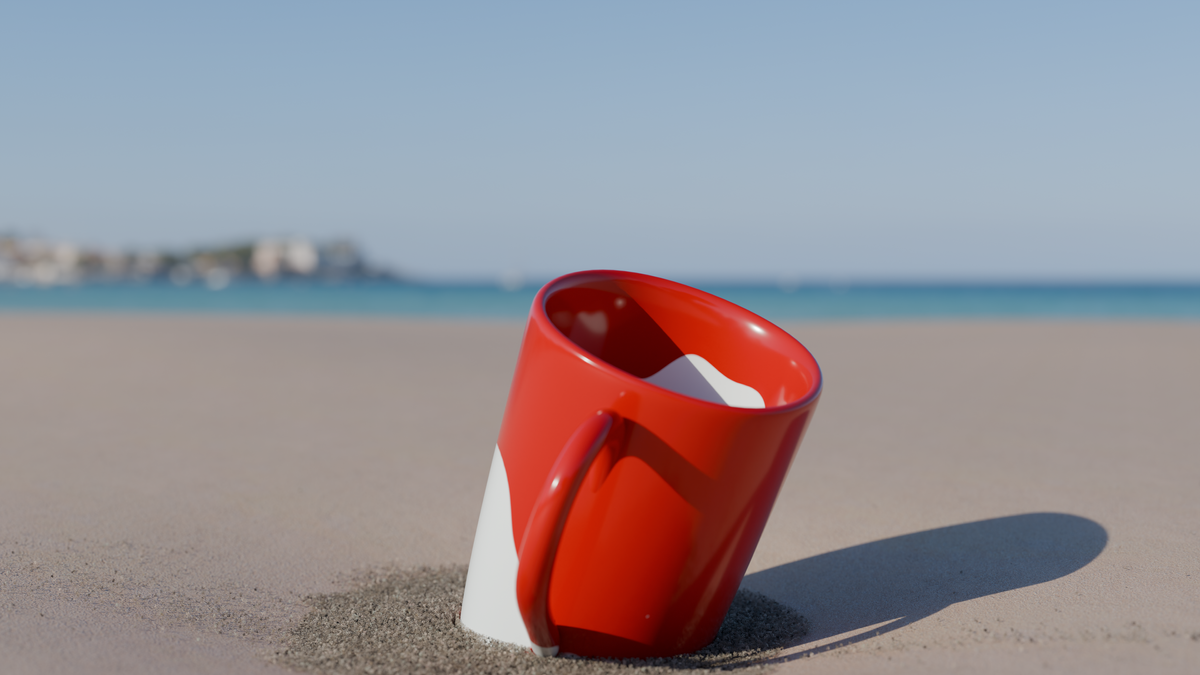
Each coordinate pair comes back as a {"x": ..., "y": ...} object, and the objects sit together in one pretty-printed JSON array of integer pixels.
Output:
[{"x": 836, "y": 141}]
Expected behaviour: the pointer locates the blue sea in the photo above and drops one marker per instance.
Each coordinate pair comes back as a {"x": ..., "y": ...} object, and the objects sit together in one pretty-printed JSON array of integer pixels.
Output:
[{"x": 813, "y": 302}]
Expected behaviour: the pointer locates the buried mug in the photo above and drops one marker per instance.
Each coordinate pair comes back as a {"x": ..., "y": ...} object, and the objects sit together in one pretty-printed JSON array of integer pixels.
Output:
[{"x": 647, "y": 432}]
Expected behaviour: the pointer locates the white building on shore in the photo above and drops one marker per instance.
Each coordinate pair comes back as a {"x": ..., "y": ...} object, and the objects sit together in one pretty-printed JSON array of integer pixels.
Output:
[{"x": 273, "y": 257}]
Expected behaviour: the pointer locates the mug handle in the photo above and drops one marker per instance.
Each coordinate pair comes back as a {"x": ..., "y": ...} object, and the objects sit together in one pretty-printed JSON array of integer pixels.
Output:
[{"x": 546, "y": 521}]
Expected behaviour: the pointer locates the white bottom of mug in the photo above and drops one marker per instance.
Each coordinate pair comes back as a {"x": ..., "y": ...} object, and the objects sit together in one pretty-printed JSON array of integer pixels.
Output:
[{"x": 490, "y": 598}]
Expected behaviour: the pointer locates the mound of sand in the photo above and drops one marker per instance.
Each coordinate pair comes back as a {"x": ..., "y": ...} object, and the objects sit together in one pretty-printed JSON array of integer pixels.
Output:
[{"x": 405, "y": 621}]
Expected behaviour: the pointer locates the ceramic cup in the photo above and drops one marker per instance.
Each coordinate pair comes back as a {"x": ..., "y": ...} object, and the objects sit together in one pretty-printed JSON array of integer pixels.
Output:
[{"x": 647, "y": 431}]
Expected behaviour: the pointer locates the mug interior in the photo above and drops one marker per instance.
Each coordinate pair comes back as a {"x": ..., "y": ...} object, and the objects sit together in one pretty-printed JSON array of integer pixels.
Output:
[{"x": 640, "y": 324}]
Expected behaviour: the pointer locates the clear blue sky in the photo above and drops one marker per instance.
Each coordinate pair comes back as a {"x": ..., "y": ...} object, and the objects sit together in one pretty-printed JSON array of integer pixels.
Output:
[{"x": 845, "y": 140}]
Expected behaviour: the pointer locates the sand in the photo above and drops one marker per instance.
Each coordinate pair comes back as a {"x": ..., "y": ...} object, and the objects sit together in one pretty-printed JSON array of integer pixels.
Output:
[
  {"x": 406, "y": 621},
  {"x": 972, "y": 496}
]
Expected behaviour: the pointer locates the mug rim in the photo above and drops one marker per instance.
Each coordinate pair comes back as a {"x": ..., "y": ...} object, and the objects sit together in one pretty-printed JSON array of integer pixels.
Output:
[{"x": 539, "y": 316}]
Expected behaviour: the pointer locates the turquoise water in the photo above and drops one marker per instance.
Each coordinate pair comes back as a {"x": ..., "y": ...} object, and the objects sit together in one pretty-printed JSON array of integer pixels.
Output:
[{"x": 809, "y": 302}]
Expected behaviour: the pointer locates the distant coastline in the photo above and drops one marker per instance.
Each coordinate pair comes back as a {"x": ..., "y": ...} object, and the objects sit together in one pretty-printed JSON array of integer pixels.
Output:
[{"x": 32, "y": 262}]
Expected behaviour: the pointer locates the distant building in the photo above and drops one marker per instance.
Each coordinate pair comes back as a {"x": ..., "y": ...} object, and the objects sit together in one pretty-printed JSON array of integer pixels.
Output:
[
  {"x": 267, "y": 258},
  {"x": 34, "y": 262},
  {"x": 301, "y": 256},
  {"x": 274, "y": 257}
]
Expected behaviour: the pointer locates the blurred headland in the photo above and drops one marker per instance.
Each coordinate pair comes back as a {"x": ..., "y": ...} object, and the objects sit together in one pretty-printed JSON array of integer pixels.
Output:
[{"x": 41, "y": 263}]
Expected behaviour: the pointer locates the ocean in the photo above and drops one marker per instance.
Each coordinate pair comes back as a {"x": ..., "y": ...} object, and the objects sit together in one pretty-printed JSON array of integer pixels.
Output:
[{"x": 811, "y": 302}]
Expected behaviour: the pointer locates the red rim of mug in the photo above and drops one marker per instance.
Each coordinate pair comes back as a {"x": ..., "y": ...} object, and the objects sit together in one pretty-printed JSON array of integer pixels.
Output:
[{"x": 548, "y": 328}]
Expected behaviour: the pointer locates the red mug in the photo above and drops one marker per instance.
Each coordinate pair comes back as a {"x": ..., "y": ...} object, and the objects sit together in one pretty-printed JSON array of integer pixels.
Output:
[{"x": 647, "y": 432}]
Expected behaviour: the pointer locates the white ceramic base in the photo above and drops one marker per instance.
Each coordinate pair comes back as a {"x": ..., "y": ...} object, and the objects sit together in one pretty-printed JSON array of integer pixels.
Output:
[{"x": 490, "y": 598}]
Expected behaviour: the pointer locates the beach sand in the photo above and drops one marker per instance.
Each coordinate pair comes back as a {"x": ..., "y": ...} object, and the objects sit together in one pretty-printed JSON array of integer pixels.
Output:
[{"x": 972, "y": 496}]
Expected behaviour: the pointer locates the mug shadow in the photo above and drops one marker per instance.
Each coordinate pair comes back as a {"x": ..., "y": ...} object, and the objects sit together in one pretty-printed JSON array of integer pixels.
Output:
[{"x": 875, "y": 588}]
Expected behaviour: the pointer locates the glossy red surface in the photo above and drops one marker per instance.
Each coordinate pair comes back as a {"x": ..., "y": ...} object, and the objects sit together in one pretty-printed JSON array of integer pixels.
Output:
[
  {"x": 669, "y": 513},
  {"x": 542, "y": 535}
]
